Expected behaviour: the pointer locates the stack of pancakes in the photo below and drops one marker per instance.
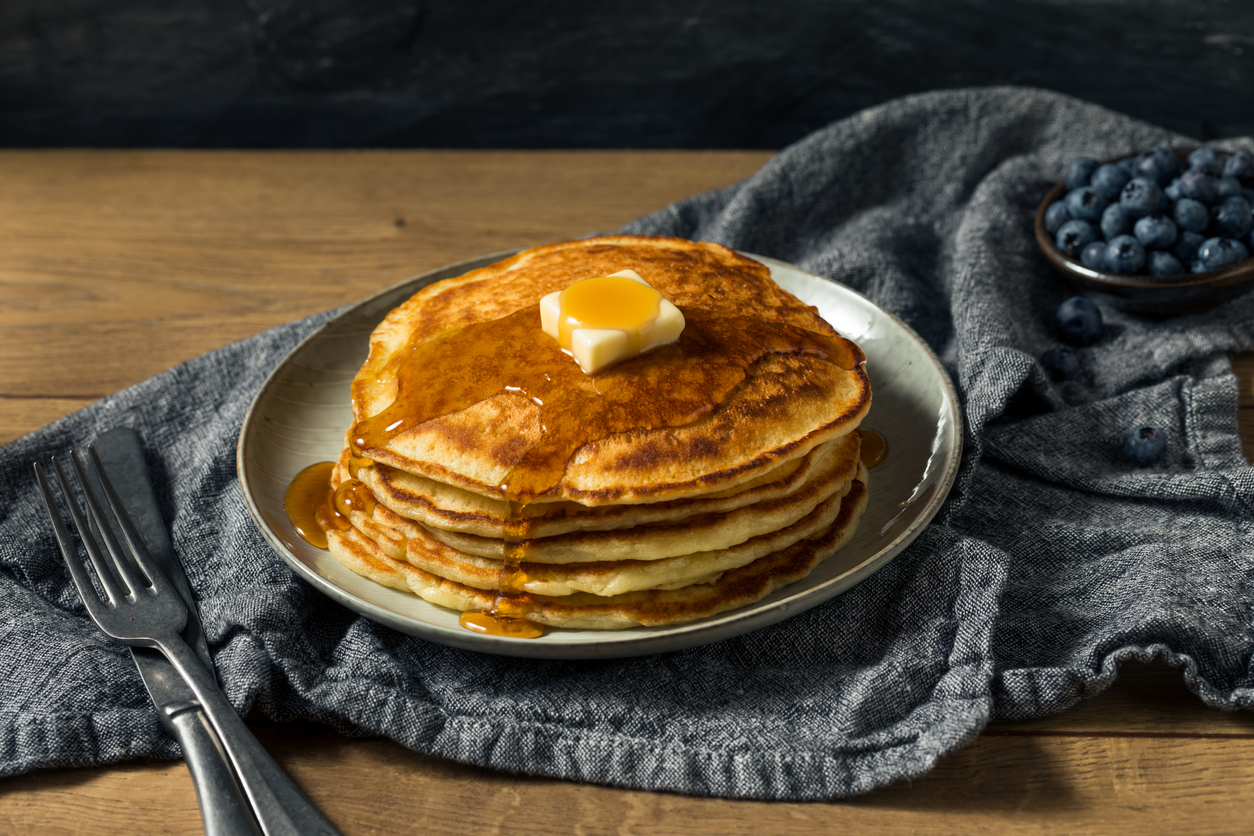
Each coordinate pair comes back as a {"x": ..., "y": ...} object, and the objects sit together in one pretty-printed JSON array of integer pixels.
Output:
[{"x": 655, "y": 524}]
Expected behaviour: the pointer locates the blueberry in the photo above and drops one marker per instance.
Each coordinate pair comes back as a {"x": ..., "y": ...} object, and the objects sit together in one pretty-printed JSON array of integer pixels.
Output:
[
  {"x": 1094, "y": 255},
  {"x": 1086, "y": 203},
  {"x": 1241, "y": 166},
  {"x": 1248, "y": 194},
  {"x": 1186, "y": 246},
  {"x": 1109, "y": 180},
  {"x": 1172, "y": 189},
  {"x": 1128, "y": 164},
  {"x": 1207, "y": 159},
  {"x": 1155, "y": 232},
  {"x": 1191, "y": 214},
  {"x": 1073, "y": 235},
  {"x": 1227, "y": 187},
  {"x": 1160, "y": 263},
  {"x": 1199, "y": 185},
  {"x": 1079, "y": 321},
  {"x": 1145, "y": 445},
  {"x": 1115, "y": 221},
  {"x": 1158, "y": 163},
  {"x": 1216, "y": 253},
  {"x": 1142, "y": 196},
  {"x": 1056, "y": 215},
  {"x": 1232, "y": 217},
  {"x": 1079, "y": 172},
  {"x": 1124, "y": 254},
  {"x": 1061, "y": 363},
  {"x": 1243, "y": 252}
]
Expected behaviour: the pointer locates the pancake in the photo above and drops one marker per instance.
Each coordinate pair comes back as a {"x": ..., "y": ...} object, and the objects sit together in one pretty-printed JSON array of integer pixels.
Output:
[
  {"x": 731, "y": 589},
  {"x": 451, "y": 508},
  {"x": 778, "y": 409}
]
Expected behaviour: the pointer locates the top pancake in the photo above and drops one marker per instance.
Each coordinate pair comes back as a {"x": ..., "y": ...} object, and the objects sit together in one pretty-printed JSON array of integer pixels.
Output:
[{"x": 786, "y": 404}]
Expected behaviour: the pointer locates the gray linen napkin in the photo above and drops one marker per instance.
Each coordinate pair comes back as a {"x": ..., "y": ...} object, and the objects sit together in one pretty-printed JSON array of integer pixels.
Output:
[{"x": 1052, "y": 561}]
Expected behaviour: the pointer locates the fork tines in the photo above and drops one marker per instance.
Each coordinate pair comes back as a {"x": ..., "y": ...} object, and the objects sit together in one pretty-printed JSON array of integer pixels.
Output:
[{"x": 117, "y": 576}]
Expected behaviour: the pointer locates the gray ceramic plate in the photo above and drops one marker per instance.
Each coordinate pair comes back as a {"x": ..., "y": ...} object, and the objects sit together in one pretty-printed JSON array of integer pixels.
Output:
[{"x": 302, "y": 412}]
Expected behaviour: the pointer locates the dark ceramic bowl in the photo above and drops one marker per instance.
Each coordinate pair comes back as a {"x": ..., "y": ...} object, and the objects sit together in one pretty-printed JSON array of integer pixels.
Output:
[{"x": 1145, "y": 294}]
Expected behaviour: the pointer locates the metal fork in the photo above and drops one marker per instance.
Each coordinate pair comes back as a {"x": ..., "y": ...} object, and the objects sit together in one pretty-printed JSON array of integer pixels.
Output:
[{"x": 148, "y": 612}]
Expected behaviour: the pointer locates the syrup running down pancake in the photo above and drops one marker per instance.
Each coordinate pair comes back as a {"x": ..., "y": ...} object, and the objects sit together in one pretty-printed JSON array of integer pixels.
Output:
[{"x": 487, "y": 472}]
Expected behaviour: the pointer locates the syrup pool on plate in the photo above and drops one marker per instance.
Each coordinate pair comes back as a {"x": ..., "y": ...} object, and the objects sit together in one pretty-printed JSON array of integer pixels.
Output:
[
  {"x": 874, "y": 447},
  {"x": 309, "y": 490}
]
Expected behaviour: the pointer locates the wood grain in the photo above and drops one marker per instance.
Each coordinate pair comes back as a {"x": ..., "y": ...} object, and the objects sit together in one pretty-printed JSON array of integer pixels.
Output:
[
  {"x": 20, "y": 415},
  {"x": 119, "y": 264}
]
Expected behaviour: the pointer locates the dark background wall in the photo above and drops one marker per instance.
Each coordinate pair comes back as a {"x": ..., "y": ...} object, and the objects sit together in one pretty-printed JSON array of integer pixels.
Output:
[{"x": 560, "y": 73}]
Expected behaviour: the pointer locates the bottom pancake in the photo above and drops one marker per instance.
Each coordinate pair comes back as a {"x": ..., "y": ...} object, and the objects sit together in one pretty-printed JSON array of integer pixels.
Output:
[{"x": 734, "y": 588}]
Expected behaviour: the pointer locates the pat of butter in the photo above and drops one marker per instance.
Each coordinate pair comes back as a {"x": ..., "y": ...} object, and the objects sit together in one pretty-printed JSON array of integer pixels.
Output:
[{"x": 605, "y": 319}]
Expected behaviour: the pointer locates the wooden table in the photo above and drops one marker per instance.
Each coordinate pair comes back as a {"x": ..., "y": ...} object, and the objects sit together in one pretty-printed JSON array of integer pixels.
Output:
[{"x": 117, "y": 265}]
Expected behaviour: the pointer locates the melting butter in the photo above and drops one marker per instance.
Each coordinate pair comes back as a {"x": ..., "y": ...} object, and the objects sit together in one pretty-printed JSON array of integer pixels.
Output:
[{"x": 603, "y": 320}]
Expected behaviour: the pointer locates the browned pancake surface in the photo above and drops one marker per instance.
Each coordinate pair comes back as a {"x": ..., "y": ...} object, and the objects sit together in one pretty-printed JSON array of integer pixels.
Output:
[{"x": 786, "y": 405}]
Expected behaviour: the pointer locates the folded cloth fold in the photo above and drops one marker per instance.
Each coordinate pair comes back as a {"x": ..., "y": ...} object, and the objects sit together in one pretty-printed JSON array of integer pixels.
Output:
[{"x": 1053, "y": 559}]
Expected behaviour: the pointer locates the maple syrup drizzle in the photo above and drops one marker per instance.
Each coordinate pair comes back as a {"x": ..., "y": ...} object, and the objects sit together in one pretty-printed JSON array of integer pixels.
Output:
[
  {"x": 874, "y": 447},
  {"x": 669, "y": 387},
  {"x": 500, "y": 625},
  {"x": 353, "y": 495},
  {"x": 508, "y": 616},
  {"x": 308, "y": 491}
]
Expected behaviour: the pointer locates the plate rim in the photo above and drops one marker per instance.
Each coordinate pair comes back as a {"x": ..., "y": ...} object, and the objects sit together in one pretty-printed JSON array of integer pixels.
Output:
[{"x": 622, "y": 643}]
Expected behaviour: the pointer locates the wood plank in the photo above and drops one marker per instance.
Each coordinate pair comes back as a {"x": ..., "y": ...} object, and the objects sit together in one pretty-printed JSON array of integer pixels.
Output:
[
  {"x": 1243, "y": 365},
  {"x": 183, "y": 252},
  {"x": 19, "y": 416},
  {"x": 1021, "y": 784},
  {"x": 1096, "y": 785}
]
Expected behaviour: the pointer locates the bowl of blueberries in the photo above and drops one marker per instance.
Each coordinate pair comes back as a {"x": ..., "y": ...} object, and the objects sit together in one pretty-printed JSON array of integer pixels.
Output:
[{"x": 1163, "y": 231}]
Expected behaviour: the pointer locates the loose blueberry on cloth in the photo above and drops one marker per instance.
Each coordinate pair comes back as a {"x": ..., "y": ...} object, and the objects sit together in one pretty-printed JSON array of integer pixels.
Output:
[{"x": 1054, "y": 559}]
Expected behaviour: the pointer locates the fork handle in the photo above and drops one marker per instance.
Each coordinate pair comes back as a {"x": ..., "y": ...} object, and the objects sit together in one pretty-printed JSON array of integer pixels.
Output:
[
  {"x": 279, "y": 805},
  {"x": 223, "y": 809}
]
